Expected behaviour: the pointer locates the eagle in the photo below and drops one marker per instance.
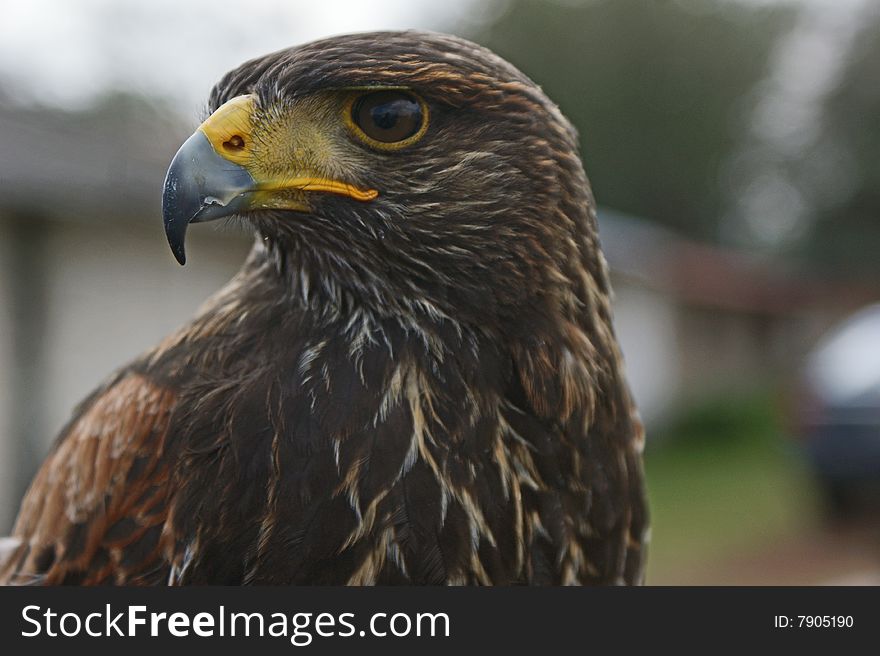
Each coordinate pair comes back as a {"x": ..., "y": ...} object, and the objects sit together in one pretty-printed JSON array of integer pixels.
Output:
[{"x": 413, "y": 379}]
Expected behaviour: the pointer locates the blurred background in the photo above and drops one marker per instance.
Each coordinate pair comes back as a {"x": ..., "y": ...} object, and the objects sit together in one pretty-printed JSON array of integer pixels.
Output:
[{"x": 734, "y": 149}]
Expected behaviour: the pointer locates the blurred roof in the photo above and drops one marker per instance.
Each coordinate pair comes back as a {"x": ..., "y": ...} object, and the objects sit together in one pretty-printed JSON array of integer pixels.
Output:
[
  {"x": 85, "y": 165},
  {"x": 712, "y": 276}
]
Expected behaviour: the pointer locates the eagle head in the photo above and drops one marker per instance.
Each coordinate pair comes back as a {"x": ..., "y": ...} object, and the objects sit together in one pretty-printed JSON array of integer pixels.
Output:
[{"x": 411, "y": 171}]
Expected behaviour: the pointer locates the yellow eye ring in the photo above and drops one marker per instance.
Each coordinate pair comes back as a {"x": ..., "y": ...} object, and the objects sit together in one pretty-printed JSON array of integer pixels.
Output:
[{"x": 395, "y": 108}]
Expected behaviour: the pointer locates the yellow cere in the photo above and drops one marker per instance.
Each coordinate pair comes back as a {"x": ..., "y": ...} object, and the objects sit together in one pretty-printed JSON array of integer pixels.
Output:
[{"x": 230, "y": 129}]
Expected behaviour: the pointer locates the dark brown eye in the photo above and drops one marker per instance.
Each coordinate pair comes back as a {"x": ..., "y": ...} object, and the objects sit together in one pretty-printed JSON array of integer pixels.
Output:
[{"x": 391, "y": 118}]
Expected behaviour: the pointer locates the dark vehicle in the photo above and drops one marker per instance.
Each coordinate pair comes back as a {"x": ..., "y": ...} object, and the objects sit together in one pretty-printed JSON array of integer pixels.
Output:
[{"x": 839, "y": 414}]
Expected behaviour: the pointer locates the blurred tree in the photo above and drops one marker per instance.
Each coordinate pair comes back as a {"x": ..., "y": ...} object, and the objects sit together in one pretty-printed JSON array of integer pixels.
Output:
[
  {"x": 841, "y": 172},
  {"x": 657, "y": 88}
]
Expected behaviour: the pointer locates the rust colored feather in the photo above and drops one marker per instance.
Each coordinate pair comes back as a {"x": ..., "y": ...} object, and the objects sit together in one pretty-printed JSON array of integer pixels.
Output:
[{"x": 95, "y": 511}]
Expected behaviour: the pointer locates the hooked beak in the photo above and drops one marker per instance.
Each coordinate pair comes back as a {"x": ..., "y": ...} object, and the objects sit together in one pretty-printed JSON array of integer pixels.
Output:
[
  {"x": 216, "y": 174},
  {"x": 200, "y": 185}
]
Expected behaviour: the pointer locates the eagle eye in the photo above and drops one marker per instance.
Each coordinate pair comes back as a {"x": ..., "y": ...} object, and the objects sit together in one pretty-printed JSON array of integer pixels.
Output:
[{"x": 388, "y": 119}]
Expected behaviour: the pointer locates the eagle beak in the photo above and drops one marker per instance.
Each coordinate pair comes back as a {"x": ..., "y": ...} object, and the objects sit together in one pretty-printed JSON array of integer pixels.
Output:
[
  {"x": 200, "y": 186},
  {"x": 208, "y": 178},
  {"x": 219, "y": 171}
]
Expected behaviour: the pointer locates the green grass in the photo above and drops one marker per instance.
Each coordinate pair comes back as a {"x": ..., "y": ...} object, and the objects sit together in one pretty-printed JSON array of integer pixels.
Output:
[{"x": 722, "y": 481}]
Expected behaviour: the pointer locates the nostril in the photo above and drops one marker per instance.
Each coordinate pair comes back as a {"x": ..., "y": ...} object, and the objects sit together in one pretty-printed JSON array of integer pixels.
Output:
[{"x": 235, "y": 142}]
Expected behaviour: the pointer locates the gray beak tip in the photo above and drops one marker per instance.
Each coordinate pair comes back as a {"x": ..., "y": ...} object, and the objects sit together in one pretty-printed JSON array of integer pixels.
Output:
[{"x": 175, "y": 224}]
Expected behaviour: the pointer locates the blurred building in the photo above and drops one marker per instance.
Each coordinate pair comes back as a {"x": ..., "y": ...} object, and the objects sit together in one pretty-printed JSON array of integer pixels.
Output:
[
  {"x": 87, "y": 281},
  {"x": 86, "y": 278},
  {"x": 696, "y": 320}
]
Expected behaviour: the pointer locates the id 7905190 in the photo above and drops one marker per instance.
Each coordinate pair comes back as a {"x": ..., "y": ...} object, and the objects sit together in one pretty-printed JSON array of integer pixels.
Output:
[{"x": 813, "y": 621}]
